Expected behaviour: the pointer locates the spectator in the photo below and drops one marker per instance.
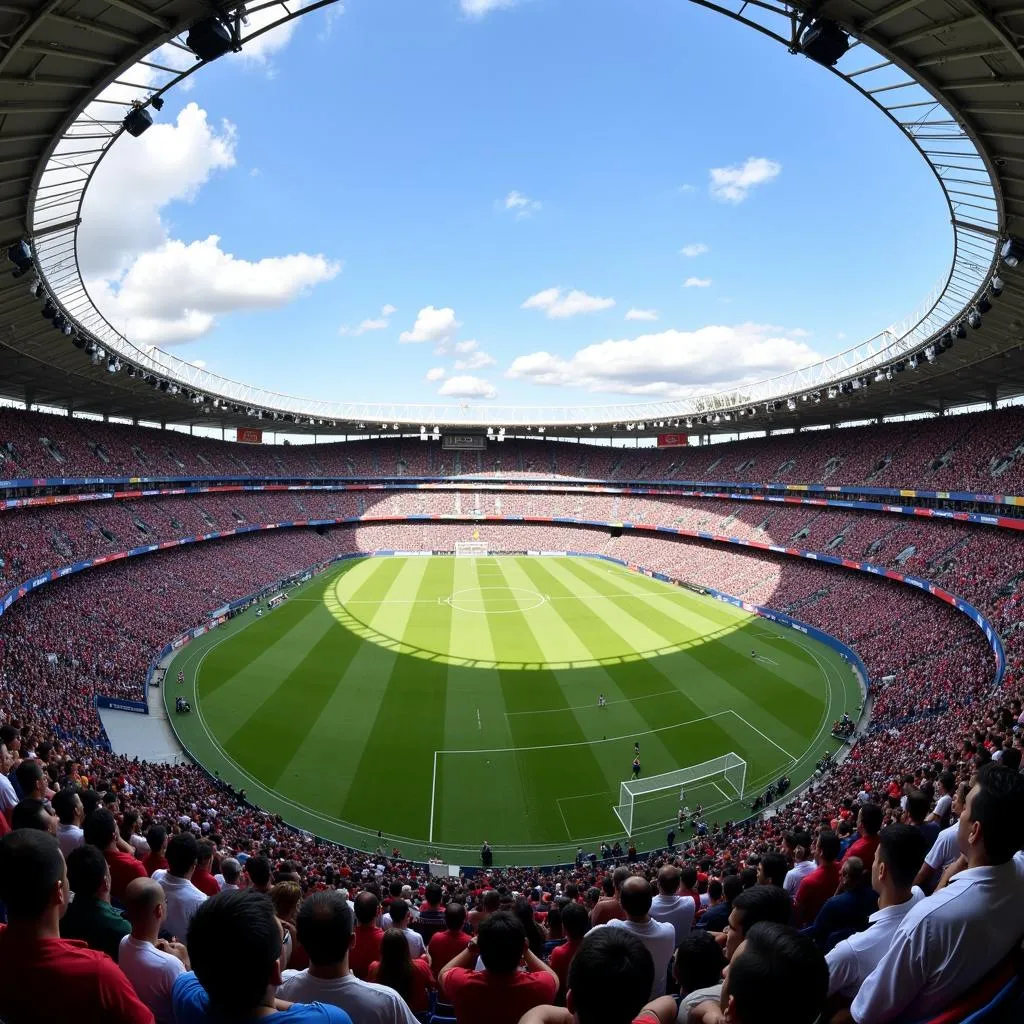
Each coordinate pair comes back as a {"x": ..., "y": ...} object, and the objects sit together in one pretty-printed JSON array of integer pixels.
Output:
[
  {"x": 772, "y": 870},
  {"x": 490, "y": 903},
  {"x": 100, "y": 830},
  {"x": 917, "y": 815},
  {"x": 799, "y": 846},
  {"x": 609, "y": 907},
  {"x": 848, "y": 911},
  {"x": 156, "y": 859},
  {"x": 431, "y": 919},
  {"x": 366, "y": 945},
  {"x": 325, "y": 930},
  {"x": 575, "y": 924},
  {"x": 950, "y": 940},
  {"x": 258, "y": 870},
  {"x": 669, "y": 906},
  {"x": 399, "y": 915},
  {"x": 688, "y": 885},
  {"x": 821, "y": 883},
  {"x": 398, "y": 970},
  {"x": 899, "y": 854},
  {"x": 201, "y": 877},
  {"x": 67, "y": 805},
  {"x": 31, "y": 780},
  {"x": 42, "y": 976},
  {"x": 716, "y": 917},
  {"x": 697, "y": 970},
  {"x": 448, "y": 944},
  {"x": 535, "y": 935},
  {"x": 500, "y": 993},
  {"x": 150, "y": 963},
  {"x": 230, "y": 872},
  {"x": 90, "y": 917},
  {"x": 32, "y": 813},
  {"x": 869, "y": 821},
  {"x": 659, "y": 938},
  {"x": 235, "y": 946},
  {"x": 183, "y": 898},
  {"x": 943, "y": 809},
  {"x": 946, "y": 849}
]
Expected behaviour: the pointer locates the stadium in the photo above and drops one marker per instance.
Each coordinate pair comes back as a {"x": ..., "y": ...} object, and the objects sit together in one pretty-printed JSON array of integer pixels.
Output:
[{"x": 509, "y": 648}]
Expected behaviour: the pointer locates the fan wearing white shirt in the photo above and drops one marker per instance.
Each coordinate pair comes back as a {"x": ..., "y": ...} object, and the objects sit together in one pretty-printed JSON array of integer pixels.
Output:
[
  {"x": 943, "y": 806},
  {"x": 325, "y": 930},
  {"x": 670, "y": 907},
  {"x": 399, "y": 917},
  {"x": 150, "y": 963},
  {"x": 183, "y": 898},
  {"x": 230, "y": 872},
  {"x": 900, "y": 851},
  {"x": 799, "y": 845},
  {"x": 660, "y": 938},
  {"x": 950, "y": 941},
  {"x": 67, "y": 805},
  {"x": 946, "y": 848}
]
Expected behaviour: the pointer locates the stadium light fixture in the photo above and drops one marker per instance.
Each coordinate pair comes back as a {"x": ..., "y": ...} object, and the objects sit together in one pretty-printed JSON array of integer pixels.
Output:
[
  {"x": 21, "y": 256},
  {"x": 791, "y": 404},
  {"x": 138, "y": 120},
  {"x": 997, "y": 286},
  {"x": 35, "y": 288},
  {"x": 49, "y": 310},
  {"x": 984, "y": 304},
  {"x": 211, "y": 38},
  {"x": 824, "y": 42},
  {"x": 960, "y": 331},
  {"x": 974, "y": 318},
  {"x": 1012, "y": 252}
]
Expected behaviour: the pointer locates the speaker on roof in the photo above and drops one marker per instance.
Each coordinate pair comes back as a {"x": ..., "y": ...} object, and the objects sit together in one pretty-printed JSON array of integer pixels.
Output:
[
  {"x": 209, "y": 39},
  {"x": 824, "y": 42}
]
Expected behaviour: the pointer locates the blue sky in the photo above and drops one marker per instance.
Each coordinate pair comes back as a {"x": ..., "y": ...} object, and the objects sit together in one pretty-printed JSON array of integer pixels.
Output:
[{"x": 395, "y": 182}]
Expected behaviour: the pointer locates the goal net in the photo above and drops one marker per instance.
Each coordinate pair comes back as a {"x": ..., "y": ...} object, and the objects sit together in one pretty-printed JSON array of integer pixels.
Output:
[
  {"x": 471, "y": 549},
  {"x": 697, "y": 784}
]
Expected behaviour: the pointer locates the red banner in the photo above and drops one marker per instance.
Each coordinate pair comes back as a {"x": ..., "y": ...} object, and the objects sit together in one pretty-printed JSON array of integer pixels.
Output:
[
  {"x": 250, "y": 435},
  {"x": 673, "y": 440}
]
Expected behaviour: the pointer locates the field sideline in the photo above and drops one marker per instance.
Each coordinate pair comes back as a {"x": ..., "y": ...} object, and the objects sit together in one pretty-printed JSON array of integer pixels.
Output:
[{"x": 445, "y": 701}]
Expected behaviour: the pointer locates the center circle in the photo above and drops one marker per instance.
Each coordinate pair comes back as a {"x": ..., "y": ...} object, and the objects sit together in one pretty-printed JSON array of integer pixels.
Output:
[{"x": 492, "y": 606}]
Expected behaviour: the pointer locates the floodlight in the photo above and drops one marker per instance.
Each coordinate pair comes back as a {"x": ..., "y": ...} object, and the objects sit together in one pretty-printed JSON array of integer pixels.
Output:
[
  {"x": 35, "y": 288},
  {"x": 77, "y": 340},
  {"x": 21, "y": 256},
  {"x": 824, "y": 42},
  {"x": 209, "y": 39},
  {"x": 49, "y": 310},
  {"x": 1012, "y": 252},
  {"x": 960, "y": 331},
  {"x": 137, "y": 121},
  {"x": 791, "y": 404},
  {"x": 974, "y": 318},
  {"x": 157, "y": 103},
  {"x": 997, "y": 286}
]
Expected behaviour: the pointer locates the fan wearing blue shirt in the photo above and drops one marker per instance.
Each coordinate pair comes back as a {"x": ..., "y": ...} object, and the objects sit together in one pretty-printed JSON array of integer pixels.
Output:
[{"x": 235, "y": 944}]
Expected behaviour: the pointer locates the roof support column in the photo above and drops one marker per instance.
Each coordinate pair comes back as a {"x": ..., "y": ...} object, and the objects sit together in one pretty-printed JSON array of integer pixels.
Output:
[
  {"x": 993, "y": 396},
  {"x": 30, "y": 399}
]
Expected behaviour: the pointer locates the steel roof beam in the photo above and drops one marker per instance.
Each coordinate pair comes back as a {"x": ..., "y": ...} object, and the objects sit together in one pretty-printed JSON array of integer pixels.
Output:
[
  {"x": 141, "y": 13},
  {"x": 889, "y": 12},
  {"x": 55, "y": 50}
]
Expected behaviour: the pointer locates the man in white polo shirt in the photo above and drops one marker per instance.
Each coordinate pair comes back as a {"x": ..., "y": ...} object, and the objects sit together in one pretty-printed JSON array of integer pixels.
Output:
[
  {"x": 949, "y": 941},
  {"x": 660, "y": 938},
  {"x": 183, "y": 898},
  {"x": 899, "y": 854}
]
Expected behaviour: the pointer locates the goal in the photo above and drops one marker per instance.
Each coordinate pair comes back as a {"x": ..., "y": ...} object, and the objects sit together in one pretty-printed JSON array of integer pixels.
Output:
[
  {"x": 694, "y": 781},
  {"x": 471, "y": 549}
]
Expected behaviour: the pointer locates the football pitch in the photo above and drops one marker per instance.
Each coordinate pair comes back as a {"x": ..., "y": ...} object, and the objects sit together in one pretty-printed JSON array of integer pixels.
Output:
[{"x": 442, "y": 701}]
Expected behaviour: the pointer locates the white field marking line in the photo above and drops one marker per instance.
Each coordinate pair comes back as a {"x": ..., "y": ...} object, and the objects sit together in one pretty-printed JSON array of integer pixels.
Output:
[
  {"x": 722, "y": 793},
  {"x": 595, "y": 705},
  {"x": 767, "y": 661},
  {"x": 590, "y": 743},
  {"x": 564, "y": 822},
  {"x": 762, "y": 735},
  {"x": 479, "y": 724},
  {"x": 585, "y": 796},
  {"x": 433, "y": 793}
]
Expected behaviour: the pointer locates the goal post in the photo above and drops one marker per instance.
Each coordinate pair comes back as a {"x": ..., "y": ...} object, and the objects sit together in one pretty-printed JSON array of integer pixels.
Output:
[
  {"x": 731, "y": 768},
  {"x": 471, "y": 549}
]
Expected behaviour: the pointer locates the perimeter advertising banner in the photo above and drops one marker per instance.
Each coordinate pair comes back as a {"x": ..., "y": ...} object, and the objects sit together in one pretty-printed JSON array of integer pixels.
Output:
[
  {"x": 673, "y": 440},
  {"x": 250, "y": 435}
]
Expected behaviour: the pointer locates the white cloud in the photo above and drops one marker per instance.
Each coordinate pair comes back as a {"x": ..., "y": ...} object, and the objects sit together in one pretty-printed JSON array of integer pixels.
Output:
[
  {"x": 558, "y": 306},
  {"x": 733, "y": 184},
  {"x": 521, "y": 205},
  {"x": 693, "y": 249},
  {"x": 697, "y": 282},
  {"x": 673, "y": 364},
  {"x": 173, "y": 294},
  {"x": 261, "y": 49},
  {"x": 435, "y": 373},
  {"x": 687, "y": 188},
  {"x": 642, "y": 314},
  {"x": 432, "y": 324},
  {"x": 476, "y": 361},
  {"x": 478, "y": 8},
  {"x": 379, "y": 323},
  {"x": 467, "y": 387},
  {"x": 388, "y": 310},
  {"x": 469, "y": 345}
]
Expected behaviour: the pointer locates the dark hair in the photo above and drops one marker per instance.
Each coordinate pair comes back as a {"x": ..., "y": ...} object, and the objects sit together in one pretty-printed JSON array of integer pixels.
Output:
[
  {"x": 324, "y": 927},
  {"x": 30, "y": 813},
  {"x": 763, "y": 903},
  {"x": 501, "y": 939},
  {"x": 699, "y": 961},
  {"x": 948, "y": 780},
  {"x": 715, "y": 889},
  {"x": 233, "y": 941},
  {"x": 90, "y": 800},
  {"x": 367, "y": 905},
  {"x": 575, "y": 922},
  {"x": 395, "y": 965},
  {"x": 455, "y": 916},
  {"x": 620, "y": 874},
  {"x": 258, "y": 870},
  {"x": 399, "y": 911},
  {"x": 30, "y": 866},
  {"x": 28, "y": 773},
  {"x": 636, "y": 897},
  {"x": 828, "y": 844},
  {"x": 204, "y": 851},
  {"x": 491, "y": 900},
  {"x": 534, "y": 935},
  {"x": 732, "y": 886},
  {"x": 156, "y": 836},
  {"x": 688, "y": 875},
  {"x": 998, "y": 806},
  {"x": 775, "y": 867},
  {"x": 778, "y": 968},
  {"x": 918, "y": 805},
  {"x": 99, "y": 828},
  {"x": 902, "y": 849},
  {"x": 610, "y": 977},
  {"x": 87, "y": 868},
  {"x": 871, "y": 818},
  {"x": 63, "y": 804},
  {"x": 1011, "y": 758},
  {"x": 433, "y": 893},
  {"x": 182, "y": 853}
]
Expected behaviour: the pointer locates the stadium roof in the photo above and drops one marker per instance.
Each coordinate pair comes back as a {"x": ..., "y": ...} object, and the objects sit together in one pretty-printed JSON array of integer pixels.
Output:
[{"x": 948, "y": 72}]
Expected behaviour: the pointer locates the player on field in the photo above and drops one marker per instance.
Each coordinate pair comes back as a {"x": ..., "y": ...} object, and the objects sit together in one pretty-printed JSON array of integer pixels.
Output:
[
  {"x": 601, "y": 702},
  {"x": 636, "y": 767},
  {"x": 753, "y": 654},
  {"x": 636, "y": 748},
  {"x": 181, "y": 675}
]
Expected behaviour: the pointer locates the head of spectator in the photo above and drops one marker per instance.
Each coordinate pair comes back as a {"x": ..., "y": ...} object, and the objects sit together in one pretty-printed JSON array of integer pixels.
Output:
[
  {"x": 758, "y": 903},
  {"x": 324, "y": 927},
  {"x": 67, "y": 805},
  {"x": 366, "y": 906},
  {"x": 610, "y": 977},
  {"x": 772, "y": 869},
  {"x": 286, "y": 897},
  {"x": 399, "y": 913},
  {"x": 145, "y": 906},
  {"x": 231, "y": 870},
  {"x": 918, "y": 806},
  {"x": 395, "y": 965},
  {"x": 687, "y": 878},
  {"x": 636, "y": 897},
  {"x": 826, "y": 847},
  {"x": 31, "y": 780},
  {"x": 234, "y": 944},
  {"x": 854, "y": 876},
  {"x": 592, "y": 895},
  {"x": 797, "y": 845},
  {"x": 33, "y": 883},
  {"x": 502, "y": 942},
  {"x": 90, "y": 800},
  {"x": 100, "y": 829},
  {"x": 698, "y": 962},
  {"x": 32, "y": 813},
  {"x": 775, "y": 974},
  {"x": 432, "y": 895},
  {"x": 732, "y": 886},
  {"x": 553, "y": 923},
  {"x": 869, "y": 820},
  {"x": 575, "y": 922},
  {"x": 88, "y": 874},
  {"x": 714, "y": 891},
  {"x": 182, "y": 855},
  {"x": 748, "y": 876},
  {"x": 901, "y": 851},
  {"x": 258, "y": 870},
  {"x": 668, "y": 880},
  {"x": 991, "y": 826},
  {"x": 455, "y": 917},
  {"x": 156, "y": 840}
]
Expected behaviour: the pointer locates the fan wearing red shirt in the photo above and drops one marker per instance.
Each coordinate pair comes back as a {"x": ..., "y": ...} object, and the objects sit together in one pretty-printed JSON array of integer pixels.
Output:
[
  {"x": 201, "y": 877},
  {"x": 610, "y": 981},
  {"x": 869, "y": 824},
  {"x": 445, "y": 946},
  {"x": 156, "y": 839},
  {"x": 100, "y": 829},
  {"x": 821, "y": 883},
  {"x": 575, "y": 922},
  {"x": 42, "y": 976},
  {"x": 367, "y": 936},
  {"x": 500, "y": 993}
]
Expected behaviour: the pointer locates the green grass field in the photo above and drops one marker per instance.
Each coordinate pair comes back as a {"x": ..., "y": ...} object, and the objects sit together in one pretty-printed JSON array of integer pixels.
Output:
[{"x": 446, "y": 701}]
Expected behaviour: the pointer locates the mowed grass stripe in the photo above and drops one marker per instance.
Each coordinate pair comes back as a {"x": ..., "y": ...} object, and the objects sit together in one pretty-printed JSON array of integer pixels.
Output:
[
  {"x": 273, "y": 732},
  {"x": 391, "y": 783}
]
